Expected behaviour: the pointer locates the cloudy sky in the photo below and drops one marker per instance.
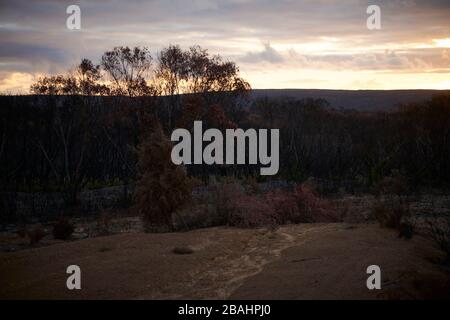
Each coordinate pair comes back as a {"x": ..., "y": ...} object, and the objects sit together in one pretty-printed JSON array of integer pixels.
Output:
[{"x": 277, "y": 44}]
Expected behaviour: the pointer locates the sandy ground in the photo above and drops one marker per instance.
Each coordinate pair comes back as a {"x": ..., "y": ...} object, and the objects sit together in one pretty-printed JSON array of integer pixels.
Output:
[{"x": 309, "y": 261}]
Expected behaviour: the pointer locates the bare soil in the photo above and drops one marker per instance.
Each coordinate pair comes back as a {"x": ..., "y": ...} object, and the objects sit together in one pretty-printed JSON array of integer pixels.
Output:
[{"x": 307, "y": 261}]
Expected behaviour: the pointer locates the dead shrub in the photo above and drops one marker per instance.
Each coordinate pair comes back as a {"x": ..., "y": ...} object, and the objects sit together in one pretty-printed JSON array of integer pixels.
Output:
[
  {"x": 210, "y": 208},
  {"x": 395, "y": 184},
  {"x": 312, "y": 208},
  {"x": 63, "y": 229},
  {"x": 406, "y": 230},
  {"x": 183, "y": 250},
  {"x": 36, "y": 234},
  {"x": 22, "y": 230},
  {"x": 223, "y": 199},
  {"x": 392, "y": 209},
  {"x": 104, "y": 222},
  {"x": 162, "y": 187},
  {"x": 394, "y": 212},
  {"x": 440, "y": 233},
  {"x": 251, "y": 185},
  {"x": 387, "y": 217},
  {"x": 195, "y": 216}
]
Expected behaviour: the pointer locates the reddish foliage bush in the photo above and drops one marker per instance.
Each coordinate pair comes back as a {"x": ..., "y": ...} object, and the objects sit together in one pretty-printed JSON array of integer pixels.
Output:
[
  {"x": 312, "y": 208},
  {"x": 252, "y": 211},
  {"x": 162, "y": 187},
  {"x": 284, "y": 205},
  {"x": 274, "y": 208}
]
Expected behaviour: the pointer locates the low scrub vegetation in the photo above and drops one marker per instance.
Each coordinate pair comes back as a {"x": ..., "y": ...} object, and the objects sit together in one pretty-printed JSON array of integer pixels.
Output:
[
  {"x": 234, "y": 205},
  {"x": 280, "y": 207},
  {"x": 440, "y": 233},
  {"x": 392, "y": 207},
  {"x": 33, "y": 234},
  {"x": 396, "y": 215},
  {"x": 63, "y": 229}
]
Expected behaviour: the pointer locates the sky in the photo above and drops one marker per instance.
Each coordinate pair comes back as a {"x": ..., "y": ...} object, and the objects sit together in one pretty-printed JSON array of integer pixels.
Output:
[{"x": 319, "y": 44}]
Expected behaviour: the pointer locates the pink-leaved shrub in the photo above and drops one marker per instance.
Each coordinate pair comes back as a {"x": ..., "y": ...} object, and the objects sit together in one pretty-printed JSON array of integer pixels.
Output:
[{"x": 273, "y": 208}]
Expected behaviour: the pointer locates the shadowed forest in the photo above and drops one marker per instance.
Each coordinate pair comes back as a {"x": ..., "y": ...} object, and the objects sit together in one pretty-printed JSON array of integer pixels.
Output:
[
  {"x": 83, "y": 128},
  {"x": 102, "y": 132}
]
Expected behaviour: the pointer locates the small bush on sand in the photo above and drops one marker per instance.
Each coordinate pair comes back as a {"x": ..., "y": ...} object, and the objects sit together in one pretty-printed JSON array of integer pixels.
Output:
[
  {"x": 406, "y": 230},
  {"x": 36, "y": 234},
  {"x": 440, "y": 233},
  {"x": 183, "y": 250},
  {"x": 392, "y": 209},
  {"x": 312, "y": 208},
  {"x": 388, "y": 217},
  {"x": 22, "y": 230},
  {"x": 208, "y": 209},
  {"x": 63, "y": 229},
  {"x": 223, "y": 200},
  {"x": 194, "y": 216},
  {"x": 104, "y": 222},
  {"x": 394, "y": 213}
]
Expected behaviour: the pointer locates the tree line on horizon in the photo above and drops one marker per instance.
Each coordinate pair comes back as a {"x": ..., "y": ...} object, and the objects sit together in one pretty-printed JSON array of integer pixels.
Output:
[{"x": 133, "y": 72}]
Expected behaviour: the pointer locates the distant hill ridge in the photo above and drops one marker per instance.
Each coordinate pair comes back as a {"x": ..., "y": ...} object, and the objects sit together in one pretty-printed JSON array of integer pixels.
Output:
[{"x": 364, "y": 100}]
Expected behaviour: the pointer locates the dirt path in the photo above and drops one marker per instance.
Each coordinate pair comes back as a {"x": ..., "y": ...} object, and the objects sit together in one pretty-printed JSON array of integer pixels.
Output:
[
  {"x": 294, "y": 262},
  {"x": 331, "y": 263}
]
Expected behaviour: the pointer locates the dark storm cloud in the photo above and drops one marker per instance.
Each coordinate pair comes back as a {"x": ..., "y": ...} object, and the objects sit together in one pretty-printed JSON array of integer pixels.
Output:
[{"x": 10, "y": 51}]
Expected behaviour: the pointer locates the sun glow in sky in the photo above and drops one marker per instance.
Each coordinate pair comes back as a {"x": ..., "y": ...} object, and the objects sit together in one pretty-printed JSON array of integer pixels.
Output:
[
  {"x": 442, "y": 43},
  {"x": 320, "y": 44}
]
